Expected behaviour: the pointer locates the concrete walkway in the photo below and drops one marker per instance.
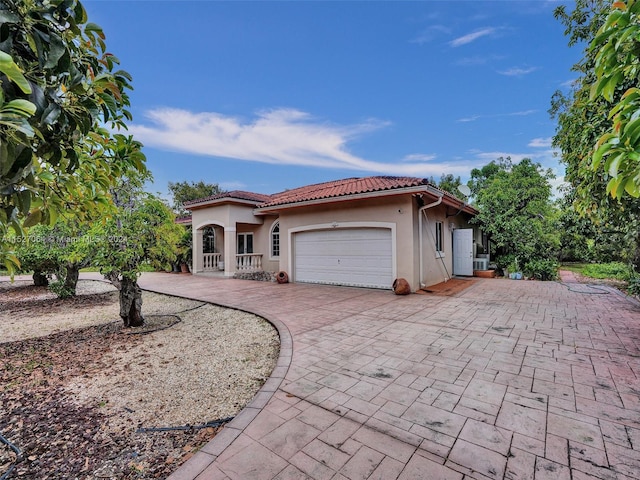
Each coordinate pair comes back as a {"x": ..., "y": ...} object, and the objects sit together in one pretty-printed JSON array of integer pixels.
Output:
[{"x": 508, "y": 379}]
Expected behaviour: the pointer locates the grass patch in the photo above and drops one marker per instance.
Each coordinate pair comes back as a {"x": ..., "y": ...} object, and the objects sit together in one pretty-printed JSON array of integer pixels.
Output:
[
  {"x": 617, "y": 270},
  {"x": 574, "y": 267},
  {"x": 600, "y": 271}
]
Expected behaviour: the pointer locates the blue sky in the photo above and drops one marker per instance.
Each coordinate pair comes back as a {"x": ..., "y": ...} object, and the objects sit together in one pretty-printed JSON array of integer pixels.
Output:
[{"x": 266, "y": 96}]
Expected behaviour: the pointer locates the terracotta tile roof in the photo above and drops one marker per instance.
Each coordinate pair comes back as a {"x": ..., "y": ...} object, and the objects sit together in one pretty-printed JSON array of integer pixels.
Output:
[
  {"x": 235, "y": 194},
  {"x": 326, "y": 191},
  {"x": 184, "y": 220},
  {"x": 341, "y": 188}
]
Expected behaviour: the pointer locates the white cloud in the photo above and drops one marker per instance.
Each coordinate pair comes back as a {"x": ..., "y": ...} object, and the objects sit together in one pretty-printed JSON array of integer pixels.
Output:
[
  {"x": 419, "y": 157},
  {"x": 515, "y": 157},
  {"x": 477, "y": 60},
  {"x": 232, "y": 185},
  {"x": 570, "y": 83},
  {"x": 471, "y": 37},
  {"x": 558, "y": 185},
  {"x": 517, "y": 71},
  {"x": 429, "y": 33},
  {"x": 522, "y": 113},
  {"x": 473, "y": 118},
  {"x": 279, "y": 136},
  {"x": 540, "y": 142}
]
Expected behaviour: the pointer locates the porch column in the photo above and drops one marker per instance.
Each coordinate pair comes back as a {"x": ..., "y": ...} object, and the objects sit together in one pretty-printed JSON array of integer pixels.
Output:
[
  {"x": 230, "y": 246},
  {"x": 196, "y": 253}
]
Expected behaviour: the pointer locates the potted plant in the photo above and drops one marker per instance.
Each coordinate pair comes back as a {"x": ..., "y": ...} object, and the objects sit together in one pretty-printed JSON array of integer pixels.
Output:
[
  {"x": 514, "y": 270},
  {"x": 185, "y": 251}
]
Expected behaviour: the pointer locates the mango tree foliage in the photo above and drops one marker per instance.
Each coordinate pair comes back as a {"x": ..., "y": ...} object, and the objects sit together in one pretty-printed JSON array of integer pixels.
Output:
[
  {"x": 186, "y": 191},
  {"x": 448, "y": 183},
  {"x": 617, "y": 68},
  {"x": 55, "y": 250},
  {"x": 38, "y": 253},
  {"x": 516, "y": 210},
  {"x": 61, "y": 94},
  {"x": 142, "y": 233},
  {"x": 582, "y": 120}
]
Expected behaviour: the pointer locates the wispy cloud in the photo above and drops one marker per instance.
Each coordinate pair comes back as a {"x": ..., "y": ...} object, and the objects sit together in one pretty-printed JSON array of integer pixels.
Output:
[
  {"x": 473, "y": 118},
  {"x": 477, "y": 60},
  {"x": 540, "y": 142},
  {"x": 521, "y": 113},
  {"x": 232, "y": 185},
  {"x": 419, "y": 157},
  {"x": 515, "y": 156},
  {"x": 471, "y": 37},
  {"x": 280, "y": 137},
  {"x": 429, "y": 33},
  {"x": 570, "y": 83},
  {"x": 517, "y": 71}
]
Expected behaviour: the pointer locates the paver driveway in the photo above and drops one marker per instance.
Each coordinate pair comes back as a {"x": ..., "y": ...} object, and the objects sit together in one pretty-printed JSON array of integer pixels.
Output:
[{"x": 508, "y": 379}]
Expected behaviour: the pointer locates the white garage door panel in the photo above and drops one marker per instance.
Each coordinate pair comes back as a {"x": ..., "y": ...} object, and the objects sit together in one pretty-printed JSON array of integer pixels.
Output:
[{"x": 357, "y": 257}]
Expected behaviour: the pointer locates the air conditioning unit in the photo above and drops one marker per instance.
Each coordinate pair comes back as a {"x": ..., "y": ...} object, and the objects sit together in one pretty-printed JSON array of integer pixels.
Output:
[{"x": 481, "y": 264}]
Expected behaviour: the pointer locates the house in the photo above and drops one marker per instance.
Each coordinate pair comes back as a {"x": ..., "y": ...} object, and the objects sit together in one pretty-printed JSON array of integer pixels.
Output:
[{"x": 362, "y": 232}]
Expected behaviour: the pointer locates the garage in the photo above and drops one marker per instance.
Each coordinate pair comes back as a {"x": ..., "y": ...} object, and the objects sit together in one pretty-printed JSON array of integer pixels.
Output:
[{"x": 358, "y": 257}]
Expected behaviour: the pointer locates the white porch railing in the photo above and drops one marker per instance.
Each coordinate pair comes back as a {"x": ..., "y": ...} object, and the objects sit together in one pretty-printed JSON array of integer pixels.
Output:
[
  {"x": 211, "y": 262},
  {"x": 249, "y": 262}
]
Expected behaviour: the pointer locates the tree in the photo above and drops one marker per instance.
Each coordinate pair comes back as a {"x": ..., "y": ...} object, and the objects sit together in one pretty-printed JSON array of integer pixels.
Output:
[
  {"x": 54, "y": 250},
  {"x": 38, "y": 253},
  {"x": 617, "y": 47},
  {"x": 185, "y": 191},
  {"x": 582, "y": 121},
  {"x": 59, "y": 91},
  {"x": 480, "y": 177},
  {"x": 142, "y": 232},
  {"x": 516, "y": 211},
  {"x": 448, "y": 183}
]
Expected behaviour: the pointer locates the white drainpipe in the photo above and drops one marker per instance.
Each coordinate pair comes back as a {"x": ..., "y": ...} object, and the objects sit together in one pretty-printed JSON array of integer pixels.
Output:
[{"x": 422, "y": 209}]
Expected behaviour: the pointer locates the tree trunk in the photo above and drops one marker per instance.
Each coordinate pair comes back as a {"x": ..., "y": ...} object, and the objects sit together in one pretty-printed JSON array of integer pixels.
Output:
[
  {"x": 131, "y": 303},
  {"x": 71, "y": 278},
  {"x": 40, "y": 279},
  {"x": 636, "y": 253}
]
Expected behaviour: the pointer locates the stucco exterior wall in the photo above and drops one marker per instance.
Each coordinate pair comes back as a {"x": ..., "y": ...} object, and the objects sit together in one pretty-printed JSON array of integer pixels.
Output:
[
  {"x": 226, "y": 215},
  {"x": 438, "y": 267},
  {"x": 400, "y": 212},
  {"x": 394, "y": 210},
  {"x": 230, "y": 218}
]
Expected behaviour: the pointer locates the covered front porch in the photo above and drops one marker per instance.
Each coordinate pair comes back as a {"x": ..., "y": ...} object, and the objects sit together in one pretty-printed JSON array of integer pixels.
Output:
[{"x": 225, "y": 250}]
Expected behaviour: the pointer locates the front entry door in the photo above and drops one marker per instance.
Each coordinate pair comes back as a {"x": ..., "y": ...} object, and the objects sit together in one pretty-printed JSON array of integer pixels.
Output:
[{"x": 463, "y": 251}]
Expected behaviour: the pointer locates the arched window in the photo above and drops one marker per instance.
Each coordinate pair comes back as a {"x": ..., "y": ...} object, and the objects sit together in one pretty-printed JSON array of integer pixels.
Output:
[
  {"x": 208, "y": 240},
  {"x": 275, "y": 240}
]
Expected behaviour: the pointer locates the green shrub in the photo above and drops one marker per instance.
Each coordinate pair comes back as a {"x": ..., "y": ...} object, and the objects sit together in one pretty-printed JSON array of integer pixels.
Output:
[
  {"x": 634, "y": 286},
  {"x": 58, "y": 287},
  {"x": 541, "y": 269},
  {"x": 617, "y": 270}
]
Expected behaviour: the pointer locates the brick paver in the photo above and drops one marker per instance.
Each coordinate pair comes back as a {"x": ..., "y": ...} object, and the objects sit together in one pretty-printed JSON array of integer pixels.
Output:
[{"x": 506, "y": 380}]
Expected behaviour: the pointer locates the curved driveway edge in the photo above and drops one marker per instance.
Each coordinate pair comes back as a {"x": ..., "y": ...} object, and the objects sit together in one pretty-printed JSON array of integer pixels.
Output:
[
  {"x": 206, "y": 455},
  {"x": 506, "y": 380}
]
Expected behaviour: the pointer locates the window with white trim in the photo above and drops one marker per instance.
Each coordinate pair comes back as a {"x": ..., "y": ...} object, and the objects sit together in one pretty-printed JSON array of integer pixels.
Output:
[
  {"x": 440, "y": 238},
  {"x": 208, "y": 240},
  {"x": 245, "y": 243},
  {"x": 275, "y": 240}
]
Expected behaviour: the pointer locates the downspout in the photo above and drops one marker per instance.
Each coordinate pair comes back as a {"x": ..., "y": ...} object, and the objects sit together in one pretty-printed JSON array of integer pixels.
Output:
[{"x": 420, "y": 211}]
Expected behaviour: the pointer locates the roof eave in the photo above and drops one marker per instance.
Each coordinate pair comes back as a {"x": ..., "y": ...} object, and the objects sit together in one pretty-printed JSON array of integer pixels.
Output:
[
  {"x": 347, "y": 198},
  {"x": 218, "y": 201}
]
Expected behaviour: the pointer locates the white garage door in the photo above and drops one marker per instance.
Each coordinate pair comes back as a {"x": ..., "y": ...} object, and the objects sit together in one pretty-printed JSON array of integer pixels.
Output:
[{"x": 359, "y": 257}]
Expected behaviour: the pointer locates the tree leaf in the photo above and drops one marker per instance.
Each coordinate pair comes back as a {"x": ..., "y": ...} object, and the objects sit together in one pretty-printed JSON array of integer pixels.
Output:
[
  {"x": 12, "y": 71},
  {"x": 33, "y": 219},
  {"x": 46, "y": 176}
]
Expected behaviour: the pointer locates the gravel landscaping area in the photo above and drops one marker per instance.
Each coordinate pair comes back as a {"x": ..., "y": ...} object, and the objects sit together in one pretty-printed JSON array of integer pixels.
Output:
[{"x": 77, "y": 387}]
